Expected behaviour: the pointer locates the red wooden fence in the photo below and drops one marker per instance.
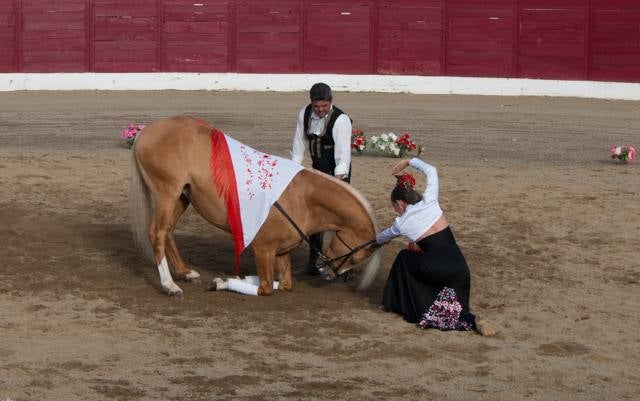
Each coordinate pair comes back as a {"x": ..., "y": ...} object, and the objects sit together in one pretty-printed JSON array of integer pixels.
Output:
[{"x": 556, "y": 39}]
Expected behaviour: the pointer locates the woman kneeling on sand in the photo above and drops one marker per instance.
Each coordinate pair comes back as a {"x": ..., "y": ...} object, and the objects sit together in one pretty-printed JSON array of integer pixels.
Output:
[{"x": 428, "y": 284}]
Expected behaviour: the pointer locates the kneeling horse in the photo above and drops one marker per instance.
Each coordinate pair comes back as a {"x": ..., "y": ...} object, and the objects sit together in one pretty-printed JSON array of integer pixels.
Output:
[{"x": 182, "y": 161}]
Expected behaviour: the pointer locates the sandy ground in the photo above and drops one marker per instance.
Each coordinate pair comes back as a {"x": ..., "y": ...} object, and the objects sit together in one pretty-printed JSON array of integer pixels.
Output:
[{"x": 549, "y": 225}]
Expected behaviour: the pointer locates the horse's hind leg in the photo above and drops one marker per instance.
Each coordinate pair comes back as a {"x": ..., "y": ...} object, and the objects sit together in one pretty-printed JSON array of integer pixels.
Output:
[
  {"x": 181, "y": 271},
  {"x": 159, "y": 233}
]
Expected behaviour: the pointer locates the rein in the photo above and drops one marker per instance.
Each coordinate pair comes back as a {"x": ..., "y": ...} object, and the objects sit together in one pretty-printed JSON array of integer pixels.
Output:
[{"x": 324, "y": 258}]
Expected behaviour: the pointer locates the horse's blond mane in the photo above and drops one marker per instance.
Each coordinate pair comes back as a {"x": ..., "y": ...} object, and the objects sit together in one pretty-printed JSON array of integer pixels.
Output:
[{"x": 356, "y": 194}]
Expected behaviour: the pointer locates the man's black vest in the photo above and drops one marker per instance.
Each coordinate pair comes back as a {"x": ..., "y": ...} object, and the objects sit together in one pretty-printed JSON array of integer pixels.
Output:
[{"x": 322, "y": 148}]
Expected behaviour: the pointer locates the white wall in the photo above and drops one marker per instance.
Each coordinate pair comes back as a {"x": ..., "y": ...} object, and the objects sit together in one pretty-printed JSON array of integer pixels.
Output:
[{"x": 302, "y": 82}]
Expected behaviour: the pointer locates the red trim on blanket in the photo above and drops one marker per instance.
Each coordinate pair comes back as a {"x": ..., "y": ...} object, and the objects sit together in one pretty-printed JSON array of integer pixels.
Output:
[{"x": 224, "y": 179}]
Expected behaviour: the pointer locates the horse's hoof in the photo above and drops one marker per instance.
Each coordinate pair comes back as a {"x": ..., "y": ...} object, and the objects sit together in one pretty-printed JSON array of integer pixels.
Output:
[
  {"x": 217, "y": 284},
  {"x": 173, "y": 291},
  {"x": 265, "y": 291},
  {"x": 193, "y": 276},
  {"x": 175, "y": 294}
]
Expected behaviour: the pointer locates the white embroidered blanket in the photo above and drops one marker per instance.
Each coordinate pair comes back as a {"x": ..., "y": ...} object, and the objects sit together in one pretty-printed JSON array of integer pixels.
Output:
[{"x": 260, "y": 180}]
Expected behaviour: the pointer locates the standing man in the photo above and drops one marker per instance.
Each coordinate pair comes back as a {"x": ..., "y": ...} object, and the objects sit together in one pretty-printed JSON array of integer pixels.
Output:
[{"x": 326, "y": 130}]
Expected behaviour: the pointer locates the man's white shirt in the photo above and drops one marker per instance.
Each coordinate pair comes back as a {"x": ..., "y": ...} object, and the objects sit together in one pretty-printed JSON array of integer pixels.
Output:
[{"x": 341, "y": 139}]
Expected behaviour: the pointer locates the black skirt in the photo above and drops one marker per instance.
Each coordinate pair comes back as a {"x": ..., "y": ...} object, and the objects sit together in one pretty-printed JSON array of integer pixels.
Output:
[{"x": 417, "y": 278}]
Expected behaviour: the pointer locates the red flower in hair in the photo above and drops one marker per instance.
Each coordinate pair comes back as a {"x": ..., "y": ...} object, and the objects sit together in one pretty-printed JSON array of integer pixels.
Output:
[{"x": 406, "y": 181}]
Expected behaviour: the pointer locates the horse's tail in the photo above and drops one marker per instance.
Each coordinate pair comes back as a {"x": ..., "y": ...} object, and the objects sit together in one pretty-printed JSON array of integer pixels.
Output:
[
  {"x": 140, "y": 209},
  {"x": 370, "y": 271}
]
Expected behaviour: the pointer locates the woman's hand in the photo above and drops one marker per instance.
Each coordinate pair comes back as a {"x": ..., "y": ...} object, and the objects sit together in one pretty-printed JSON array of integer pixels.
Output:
[{"x": 401, "y": 165}]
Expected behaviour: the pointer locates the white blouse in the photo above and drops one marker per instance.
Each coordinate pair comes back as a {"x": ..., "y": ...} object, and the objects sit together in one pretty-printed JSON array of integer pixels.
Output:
[
  {"x": 417, "y": 218},
  {"x": 341, "y": 138}
]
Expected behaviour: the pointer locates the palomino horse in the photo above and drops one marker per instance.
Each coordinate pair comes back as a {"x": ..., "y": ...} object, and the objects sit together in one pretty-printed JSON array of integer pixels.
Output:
[{"x": 170, "y": 169}]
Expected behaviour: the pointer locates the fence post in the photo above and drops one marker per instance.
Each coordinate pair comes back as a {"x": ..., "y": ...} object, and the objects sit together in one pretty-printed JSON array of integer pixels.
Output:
[
  {"x": 373, "y": 37},
  {"x": 588, "y": 40},
  {"x": 445, "y": 39},
  {"x": 18, "y": 35},
  {"x": 88, "y": 36},
  {"x": 231, "y": 37},
  {"x": 515, "y": 67}
]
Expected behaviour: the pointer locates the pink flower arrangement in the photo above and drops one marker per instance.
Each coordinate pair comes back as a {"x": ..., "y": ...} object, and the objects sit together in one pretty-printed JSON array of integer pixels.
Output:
[
  {"x": 624, "y": 153},
  {"x": 129, "y": 133}
]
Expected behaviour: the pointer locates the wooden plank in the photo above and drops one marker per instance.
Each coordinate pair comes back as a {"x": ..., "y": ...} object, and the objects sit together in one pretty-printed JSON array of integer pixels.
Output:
[
  {"x": 552, "y": 67},
  {"x": 629, "y": 59},
  {"x": 37, "y": 64},
  {"x": 199, "y": 28},
  {"x": 268, "y": 17},
  {"x": 121, "y": 8},
  {"x": 474, "y": 4},
  {"x": 409, "y": 67},
  {"x": 269, "y": 43},
  {"x": 175, "y": 9},
  {"x": 411, "y": 18},
  {"x": 626, "y": 47},
  {"x": 620, "y": 5},
  {"x": 52, "y": 7},
  {"x": 412, "y": 3},
  {"x": 56, "y": 21},
  {"x": 553, "y": 4},
  {"x": 125, "y": 55},
  {"x": 622, "y": 74},
  {"x": 393, "y": 37},
  {"x": 195, "y": 51}
]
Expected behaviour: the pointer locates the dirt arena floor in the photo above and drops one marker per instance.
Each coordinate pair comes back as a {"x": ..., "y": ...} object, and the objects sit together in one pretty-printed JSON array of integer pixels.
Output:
[{"x": 549, "y": 224}]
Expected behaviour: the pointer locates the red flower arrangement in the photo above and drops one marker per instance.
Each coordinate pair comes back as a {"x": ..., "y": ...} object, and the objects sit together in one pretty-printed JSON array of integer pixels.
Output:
[
  {"x": 387, "y": 144},
  {"x": 358, "y": 141},
  {"x": 406, "y": 144},
  {"x": 406, "y": 181}
]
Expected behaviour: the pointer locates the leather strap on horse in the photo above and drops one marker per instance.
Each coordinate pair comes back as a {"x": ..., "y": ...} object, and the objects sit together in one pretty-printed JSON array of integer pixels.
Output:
[
  {"x": 302, "y": 234},
  {"x": 325, "y": 260}
]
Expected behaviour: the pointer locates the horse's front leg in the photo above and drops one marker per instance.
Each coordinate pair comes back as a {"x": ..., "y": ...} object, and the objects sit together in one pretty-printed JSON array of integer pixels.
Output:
[
  {"x": 283, "y": 267},
  {"x": 265, "y": 265}
]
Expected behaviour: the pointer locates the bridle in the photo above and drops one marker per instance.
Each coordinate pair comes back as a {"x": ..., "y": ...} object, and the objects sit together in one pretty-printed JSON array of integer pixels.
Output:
[{"x": 324, "y": 260}]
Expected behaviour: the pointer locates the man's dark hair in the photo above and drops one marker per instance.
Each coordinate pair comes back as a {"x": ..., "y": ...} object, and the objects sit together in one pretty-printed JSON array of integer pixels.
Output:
[{"x": 320, "y": 91}]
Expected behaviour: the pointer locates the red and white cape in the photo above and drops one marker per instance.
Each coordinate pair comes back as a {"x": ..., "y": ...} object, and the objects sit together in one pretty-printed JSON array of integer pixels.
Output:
[{"x": 250, "y": 182}]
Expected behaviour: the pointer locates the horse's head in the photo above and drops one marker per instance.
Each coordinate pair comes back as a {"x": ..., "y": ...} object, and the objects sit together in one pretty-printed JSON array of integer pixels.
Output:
[
  {"x": 346, "y": 250},
  {"x": 335, "y": 206}
]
